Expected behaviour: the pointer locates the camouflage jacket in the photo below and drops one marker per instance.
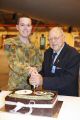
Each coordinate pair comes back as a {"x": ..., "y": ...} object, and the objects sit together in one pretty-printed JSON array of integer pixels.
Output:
[{"x": 20, "y": 56}]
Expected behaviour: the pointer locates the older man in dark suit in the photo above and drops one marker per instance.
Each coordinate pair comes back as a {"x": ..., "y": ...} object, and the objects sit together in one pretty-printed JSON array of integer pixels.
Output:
[{"x": 60, "y": 68}]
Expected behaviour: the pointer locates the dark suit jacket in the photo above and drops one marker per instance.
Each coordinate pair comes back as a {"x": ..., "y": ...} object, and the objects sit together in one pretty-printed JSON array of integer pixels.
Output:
[{"x": 65, "y": 78}]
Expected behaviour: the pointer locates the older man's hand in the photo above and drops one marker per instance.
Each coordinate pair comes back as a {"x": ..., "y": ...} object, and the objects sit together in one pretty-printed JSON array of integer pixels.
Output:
[{"x": 36, "y": 79}]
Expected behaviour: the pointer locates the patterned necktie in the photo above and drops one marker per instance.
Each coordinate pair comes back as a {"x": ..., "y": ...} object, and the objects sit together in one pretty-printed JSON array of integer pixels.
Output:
[
  {"x": 53, "y": 67},
  {"x": 53, "y": 57}
]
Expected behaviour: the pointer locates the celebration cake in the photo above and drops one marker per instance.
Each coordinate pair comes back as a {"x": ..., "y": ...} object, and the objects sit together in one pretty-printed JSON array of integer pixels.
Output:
[{"x": 36, "y": 103}]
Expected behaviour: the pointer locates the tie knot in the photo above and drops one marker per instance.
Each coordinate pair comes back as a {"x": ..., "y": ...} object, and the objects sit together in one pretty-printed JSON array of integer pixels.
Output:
[{"x": 53, "y": 55}]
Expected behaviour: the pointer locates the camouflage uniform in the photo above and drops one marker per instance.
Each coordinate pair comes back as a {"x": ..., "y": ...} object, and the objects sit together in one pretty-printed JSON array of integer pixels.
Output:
[{"x": 20, "y": 56}]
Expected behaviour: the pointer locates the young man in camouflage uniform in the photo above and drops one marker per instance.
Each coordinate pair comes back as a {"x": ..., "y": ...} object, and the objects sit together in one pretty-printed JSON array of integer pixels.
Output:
[{"x": 24, "y": 58}]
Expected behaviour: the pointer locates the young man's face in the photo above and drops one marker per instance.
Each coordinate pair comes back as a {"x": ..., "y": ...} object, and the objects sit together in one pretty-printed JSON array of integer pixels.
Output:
[
  {"x": 56, "y": 39},
  {"x": 24, "y": 27}
]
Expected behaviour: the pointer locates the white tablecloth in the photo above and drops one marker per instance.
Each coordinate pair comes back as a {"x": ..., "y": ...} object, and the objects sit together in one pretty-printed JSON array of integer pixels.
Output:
[{"x": 70, "y": 110}]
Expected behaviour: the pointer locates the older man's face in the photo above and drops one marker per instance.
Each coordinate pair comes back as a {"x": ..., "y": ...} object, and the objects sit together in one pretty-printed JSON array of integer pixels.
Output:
[
  {"x": 24, "y": 27},
  {"x": 56, "y": 39}
]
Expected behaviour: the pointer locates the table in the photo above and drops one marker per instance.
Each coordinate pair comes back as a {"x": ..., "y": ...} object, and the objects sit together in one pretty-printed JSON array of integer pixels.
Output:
[{"x": 70, "y": 110}]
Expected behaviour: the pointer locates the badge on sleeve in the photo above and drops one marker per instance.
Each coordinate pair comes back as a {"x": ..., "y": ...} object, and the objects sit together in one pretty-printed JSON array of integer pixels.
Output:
[{"x": 7, "y": 47}]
